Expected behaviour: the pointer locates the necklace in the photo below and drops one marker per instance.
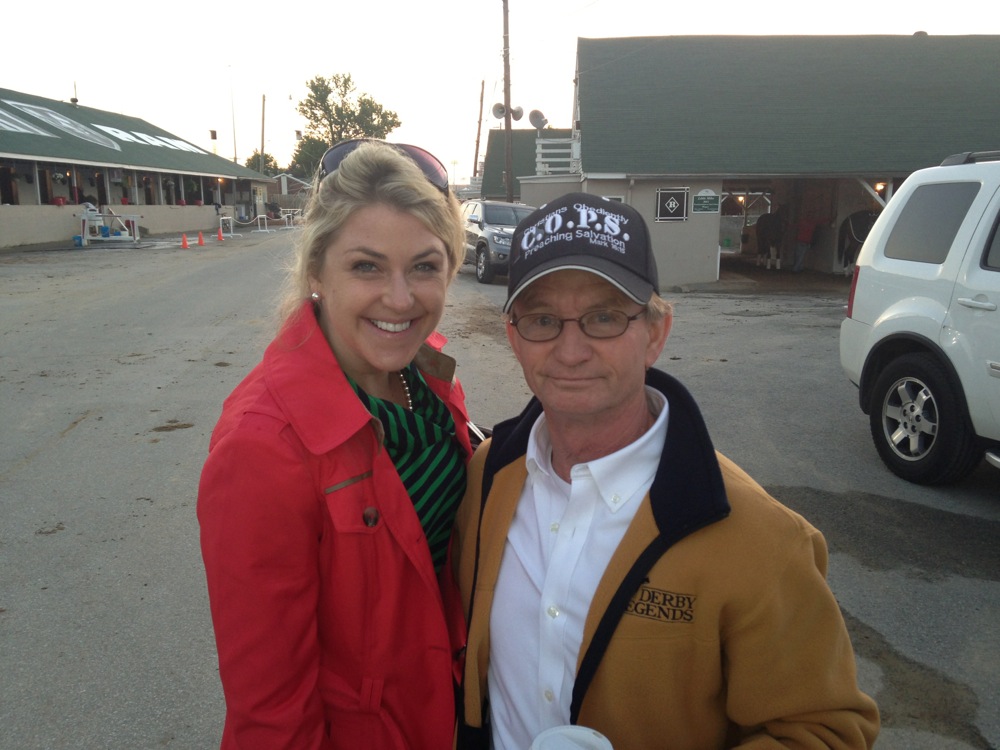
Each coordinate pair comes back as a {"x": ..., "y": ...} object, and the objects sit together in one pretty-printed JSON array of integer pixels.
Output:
[{"x": 406, "y": 390}]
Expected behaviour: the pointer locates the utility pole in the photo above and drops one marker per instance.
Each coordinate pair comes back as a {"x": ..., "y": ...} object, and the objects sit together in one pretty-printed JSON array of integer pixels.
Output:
[
  {"x": 232, "y": 109},
  {"x": 508, "y": 160},
  {"x": 260, "y": 160},
  {"x": 479, "y": 129}
]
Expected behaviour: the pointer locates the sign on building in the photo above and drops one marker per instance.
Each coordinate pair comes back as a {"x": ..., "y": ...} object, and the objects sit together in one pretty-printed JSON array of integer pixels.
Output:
[
  {"x": 706, "y": 202},
  {"x": 672, "y": 204}
]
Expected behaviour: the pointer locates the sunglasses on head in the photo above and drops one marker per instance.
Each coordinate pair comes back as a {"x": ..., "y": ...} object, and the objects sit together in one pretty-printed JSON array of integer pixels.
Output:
[{"x": 429, "y": 164}]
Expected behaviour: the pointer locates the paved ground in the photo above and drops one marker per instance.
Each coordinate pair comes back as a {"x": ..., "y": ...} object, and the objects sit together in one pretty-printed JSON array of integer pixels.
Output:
[
  {"x": 113, "y": 365},
  {"x": 736, "y": 273}
]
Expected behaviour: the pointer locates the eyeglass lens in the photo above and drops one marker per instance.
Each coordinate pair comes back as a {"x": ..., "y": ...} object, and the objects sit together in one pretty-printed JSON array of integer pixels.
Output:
[{"x": 599, "y": 324}]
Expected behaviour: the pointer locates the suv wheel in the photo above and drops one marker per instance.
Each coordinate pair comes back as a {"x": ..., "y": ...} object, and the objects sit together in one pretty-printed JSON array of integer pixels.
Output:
[
  {"x": 484, "y": 269},
  {"x": 919, "y": 424}
]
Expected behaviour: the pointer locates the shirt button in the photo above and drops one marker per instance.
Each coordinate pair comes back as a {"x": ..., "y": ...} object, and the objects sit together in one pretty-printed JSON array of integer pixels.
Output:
[
  {"x": 553, "y": 611},
  {"x": 616, "y": 499},
  {"x": 554, "y": 527},
  {"x": 549, "y": 696}
]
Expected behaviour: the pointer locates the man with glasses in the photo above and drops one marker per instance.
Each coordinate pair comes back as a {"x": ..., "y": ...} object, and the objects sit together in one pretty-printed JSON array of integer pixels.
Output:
[{"x": 617, "y": 572}]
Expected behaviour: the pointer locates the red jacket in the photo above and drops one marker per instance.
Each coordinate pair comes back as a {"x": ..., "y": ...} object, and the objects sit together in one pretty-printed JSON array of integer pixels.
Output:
[{"x": 328, "y": 616}]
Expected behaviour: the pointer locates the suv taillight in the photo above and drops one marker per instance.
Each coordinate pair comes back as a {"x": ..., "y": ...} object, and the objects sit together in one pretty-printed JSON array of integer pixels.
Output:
[{"x": 854, "y": 286}]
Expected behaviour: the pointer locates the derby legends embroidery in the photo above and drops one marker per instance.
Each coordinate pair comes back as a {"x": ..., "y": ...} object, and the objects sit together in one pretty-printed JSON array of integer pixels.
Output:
[
  {"x": 665, "y": 606},
  {"x": 601, "y": 227}
]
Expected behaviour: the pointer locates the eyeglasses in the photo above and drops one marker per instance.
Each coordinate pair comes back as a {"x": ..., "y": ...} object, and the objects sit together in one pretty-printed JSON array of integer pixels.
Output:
[
  {"x": 429, "y": 164},
  {"x": 599, "y": 324}
]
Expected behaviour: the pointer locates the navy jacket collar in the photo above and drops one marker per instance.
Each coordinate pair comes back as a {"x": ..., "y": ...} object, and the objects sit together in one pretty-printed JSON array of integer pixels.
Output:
[{"x": 688, "y": 490}]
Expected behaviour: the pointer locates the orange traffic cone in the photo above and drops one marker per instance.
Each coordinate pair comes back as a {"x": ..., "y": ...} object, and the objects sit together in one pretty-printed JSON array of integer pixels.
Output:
[
  {"x": 201, "y": 240},
  {"x": 184, "y": 242},
  {"x": 219, "y": 237}
]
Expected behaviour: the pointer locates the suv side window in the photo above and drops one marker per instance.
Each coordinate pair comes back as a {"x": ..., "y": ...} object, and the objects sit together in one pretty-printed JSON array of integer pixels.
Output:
[
  {"x": 927, "y": 225},
  {"x": 993, "y": 256}
]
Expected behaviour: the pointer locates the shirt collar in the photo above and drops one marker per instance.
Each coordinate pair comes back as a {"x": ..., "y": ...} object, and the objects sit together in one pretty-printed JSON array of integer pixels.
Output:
[{"x": 618, "y": 476}]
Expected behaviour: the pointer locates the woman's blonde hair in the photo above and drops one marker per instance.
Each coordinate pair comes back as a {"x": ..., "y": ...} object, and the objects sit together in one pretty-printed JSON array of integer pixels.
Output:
[{"x": 374, "y": 173}]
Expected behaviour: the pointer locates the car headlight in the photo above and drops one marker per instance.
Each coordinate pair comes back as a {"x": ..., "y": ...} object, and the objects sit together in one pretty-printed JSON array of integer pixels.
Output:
[{"x": 502, "y": 239}]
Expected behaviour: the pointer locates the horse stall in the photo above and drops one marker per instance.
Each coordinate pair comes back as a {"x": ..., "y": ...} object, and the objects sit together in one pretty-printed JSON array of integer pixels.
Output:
[
  {"x": 741, "y": 209},
  {"x": 767, "y": 215}
]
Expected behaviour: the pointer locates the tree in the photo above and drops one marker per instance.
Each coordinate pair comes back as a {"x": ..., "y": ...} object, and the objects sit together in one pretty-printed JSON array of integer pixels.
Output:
[
  {"x": 334, "y": 113},
  {"x": 306, "y": 158},
  {"x": 271, "y": 167}
]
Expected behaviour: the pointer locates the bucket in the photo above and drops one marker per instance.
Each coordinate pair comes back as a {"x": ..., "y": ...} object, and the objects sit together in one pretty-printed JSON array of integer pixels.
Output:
[
  {"x": 78, "y": 240},
  {"x": 571, "y": 737}
]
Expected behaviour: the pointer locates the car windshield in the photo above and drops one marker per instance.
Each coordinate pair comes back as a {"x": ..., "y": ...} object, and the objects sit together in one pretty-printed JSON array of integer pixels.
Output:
[{"x": 505, "y": 215}]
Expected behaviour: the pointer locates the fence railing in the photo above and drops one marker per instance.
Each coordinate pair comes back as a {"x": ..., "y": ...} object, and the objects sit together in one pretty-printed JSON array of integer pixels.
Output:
[{"x": 557, "y": 156}]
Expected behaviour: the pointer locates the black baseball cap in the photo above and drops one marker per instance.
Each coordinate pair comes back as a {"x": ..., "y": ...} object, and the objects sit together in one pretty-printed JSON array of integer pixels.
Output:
[{"x": 588, "y": 233}]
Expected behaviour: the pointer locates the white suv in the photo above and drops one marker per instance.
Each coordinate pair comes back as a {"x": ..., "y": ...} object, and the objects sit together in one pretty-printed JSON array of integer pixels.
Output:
[{"x": 922, "y": 335}]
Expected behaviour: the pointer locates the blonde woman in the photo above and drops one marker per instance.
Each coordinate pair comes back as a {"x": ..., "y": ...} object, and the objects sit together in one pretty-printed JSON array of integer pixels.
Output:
[{"x": 335, "y": 472}]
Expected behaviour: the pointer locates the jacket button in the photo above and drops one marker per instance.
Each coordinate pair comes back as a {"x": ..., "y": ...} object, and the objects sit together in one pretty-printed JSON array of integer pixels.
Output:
[{"x": 370, "y": 516}]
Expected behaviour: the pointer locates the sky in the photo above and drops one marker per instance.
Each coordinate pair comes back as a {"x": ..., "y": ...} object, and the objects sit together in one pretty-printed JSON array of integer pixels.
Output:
[{"x": 240, "y": 69}]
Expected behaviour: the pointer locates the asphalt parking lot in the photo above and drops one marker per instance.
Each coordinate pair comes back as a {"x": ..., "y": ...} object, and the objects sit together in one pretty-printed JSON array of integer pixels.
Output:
[{"x": 115, "y": 362}]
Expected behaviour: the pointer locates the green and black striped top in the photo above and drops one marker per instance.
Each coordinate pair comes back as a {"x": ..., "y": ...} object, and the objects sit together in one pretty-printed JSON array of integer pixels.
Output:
[{"x": 427, "y": 455}]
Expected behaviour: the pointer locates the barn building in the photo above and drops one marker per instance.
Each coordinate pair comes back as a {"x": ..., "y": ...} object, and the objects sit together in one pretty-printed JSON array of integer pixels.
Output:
[
  {"x": 706, "y": 134},
  {"x": 57, "y": 156}
]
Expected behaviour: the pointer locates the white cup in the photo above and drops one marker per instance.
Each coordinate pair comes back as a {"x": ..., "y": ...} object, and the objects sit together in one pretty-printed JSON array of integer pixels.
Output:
[{"x": 571, "y": 737}]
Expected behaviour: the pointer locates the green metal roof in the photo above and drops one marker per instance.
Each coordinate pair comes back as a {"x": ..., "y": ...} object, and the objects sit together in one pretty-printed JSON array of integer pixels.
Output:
[
  {"x": 37, "y": 129},
  {"x": 785, "y": 105},
  {"x": 522, "y": 152}
]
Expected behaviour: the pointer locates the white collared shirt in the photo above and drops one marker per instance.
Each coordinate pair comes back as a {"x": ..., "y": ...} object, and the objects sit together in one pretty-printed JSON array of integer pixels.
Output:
[{"x": 560, "y": 541}]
